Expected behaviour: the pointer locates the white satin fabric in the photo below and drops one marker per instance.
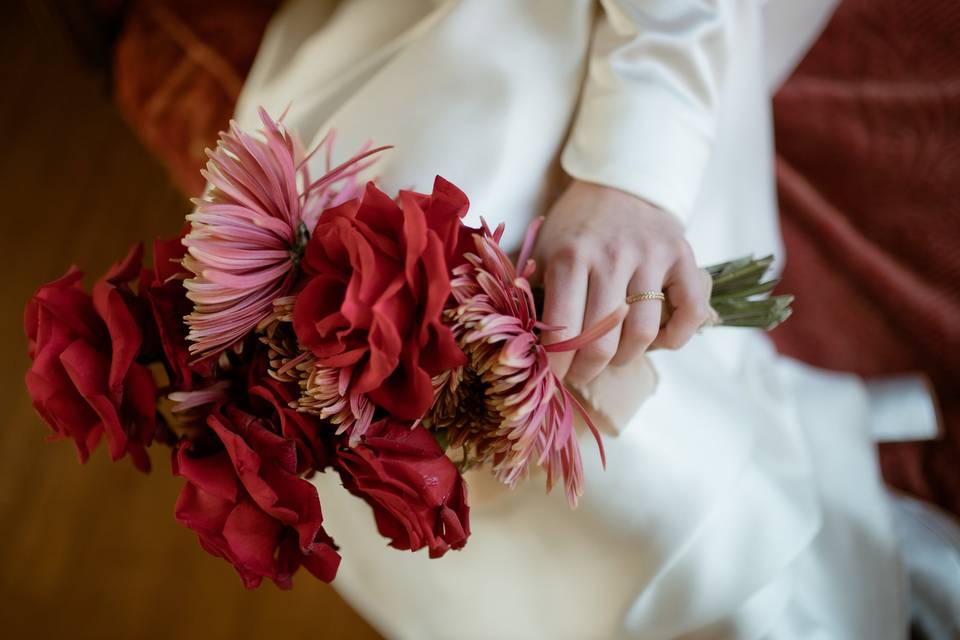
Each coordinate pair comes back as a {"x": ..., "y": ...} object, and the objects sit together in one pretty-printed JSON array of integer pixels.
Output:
[{"x": 742, "y": 499}]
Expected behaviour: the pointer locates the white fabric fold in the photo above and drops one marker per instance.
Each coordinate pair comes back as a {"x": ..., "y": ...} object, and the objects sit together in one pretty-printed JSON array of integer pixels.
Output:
[
  {"x": 650, "y": 103},
  {"x": 741, "y": 500}
]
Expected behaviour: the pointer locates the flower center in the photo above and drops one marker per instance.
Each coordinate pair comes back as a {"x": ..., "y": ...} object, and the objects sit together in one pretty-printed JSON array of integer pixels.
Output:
[
  {"x": 472, "y": 400},
  {"x": 466, "y": 408},
  {"x": 299, "y": 244}
]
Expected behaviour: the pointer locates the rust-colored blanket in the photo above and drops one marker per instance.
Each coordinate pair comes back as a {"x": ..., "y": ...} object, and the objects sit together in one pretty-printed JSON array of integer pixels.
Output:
[
  {"x": 868, "y": 171},
  {"x": 868, "y": 145},
  {"x": 178, "y": 69}
]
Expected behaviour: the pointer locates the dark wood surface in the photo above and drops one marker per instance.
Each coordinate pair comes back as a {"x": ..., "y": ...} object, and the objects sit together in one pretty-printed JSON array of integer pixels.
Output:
[{"x": 93, "y": 551}]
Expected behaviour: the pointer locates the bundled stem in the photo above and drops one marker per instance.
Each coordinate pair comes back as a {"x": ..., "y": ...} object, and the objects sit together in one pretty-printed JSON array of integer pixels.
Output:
[{"x": 739, "y": 294}]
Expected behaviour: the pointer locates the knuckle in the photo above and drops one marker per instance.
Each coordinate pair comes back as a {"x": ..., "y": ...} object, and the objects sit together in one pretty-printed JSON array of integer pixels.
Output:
[
  {"x": 672, "y": 342},
  {"x": 558, "y": 265},
  {"x": 627, "y": 353},
  {"x": 598, "y": 353},
  {"x": 611, "y": 253},
  {"x": 679, "y": 247},
  {"x": 649, "y": 250},
  {"x": 673, "y": 253},
  {"x": 560, "y": 363},
  {"x": 692, "y": 298},
  {"x": 662, "y": 254},
  {"x": 559, "y": 270},
  {"x": 702, "y": 309},
  {"x": 582, "y": 372},
  {"x": 608, "y": 255},
  {"x": 643, "y": 335},
  {"x": 564, "y": 258}
]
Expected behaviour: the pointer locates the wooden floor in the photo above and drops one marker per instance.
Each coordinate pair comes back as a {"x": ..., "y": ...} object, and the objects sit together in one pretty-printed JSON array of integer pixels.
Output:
[{"x": 94, "y": 552}]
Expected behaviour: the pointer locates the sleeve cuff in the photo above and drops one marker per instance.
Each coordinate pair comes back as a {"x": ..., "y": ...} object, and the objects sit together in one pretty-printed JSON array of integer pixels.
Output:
[{"x": 646, "y": 145}]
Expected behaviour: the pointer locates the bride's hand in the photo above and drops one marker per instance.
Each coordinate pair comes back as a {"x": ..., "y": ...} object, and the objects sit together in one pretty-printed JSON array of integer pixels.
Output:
[{"x": 599, "y": 245}]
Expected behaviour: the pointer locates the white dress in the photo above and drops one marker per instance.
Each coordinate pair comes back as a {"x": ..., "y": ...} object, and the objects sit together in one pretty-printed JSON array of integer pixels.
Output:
[{"x": 743, "y": 498}]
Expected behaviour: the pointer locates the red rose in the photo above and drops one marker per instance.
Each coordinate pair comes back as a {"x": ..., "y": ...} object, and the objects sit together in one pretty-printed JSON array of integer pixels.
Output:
[
  {"x": 378, "y": 281},
  {"x": 84, "y": 379},
  {"x": 165, "y": 342},
  {"x": 162, "y": 288},
  {"x": 418, "y": 497},
  {"x": 248, "y": 505},
  {"x": 271, "y": 399}
]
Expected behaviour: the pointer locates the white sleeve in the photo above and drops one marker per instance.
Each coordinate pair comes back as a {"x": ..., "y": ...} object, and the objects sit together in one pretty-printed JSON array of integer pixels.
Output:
[{"x": 649, "y": 107}]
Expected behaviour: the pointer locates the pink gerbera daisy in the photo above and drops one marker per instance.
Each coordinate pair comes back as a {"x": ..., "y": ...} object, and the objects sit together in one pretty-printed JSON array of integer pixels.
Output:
[
  {"x": 506, "y": 406},
  {"x": 248, "y": 232}
]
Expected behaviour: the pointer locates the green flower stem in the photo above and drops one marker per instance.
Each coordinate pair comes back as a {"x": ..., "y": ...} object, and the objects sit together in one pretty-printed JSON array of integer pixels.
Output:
[{"x": 738, "y": 290}]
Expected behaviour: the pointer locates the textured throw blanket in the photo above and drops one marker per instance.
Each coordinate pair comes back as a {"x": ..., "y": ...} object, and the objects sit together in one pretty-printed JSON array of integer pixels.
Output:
[{"x": 868, "y": 169}]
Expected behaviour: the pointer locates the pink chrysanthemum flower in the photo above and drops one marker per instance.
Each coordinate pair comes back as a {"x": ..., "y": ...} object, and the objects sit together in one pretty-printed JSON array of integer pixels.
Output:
[
  {"x": 249, "y": 230},
  {"x": 506, "y": 407},
  {"x": 324, "y": 391}
]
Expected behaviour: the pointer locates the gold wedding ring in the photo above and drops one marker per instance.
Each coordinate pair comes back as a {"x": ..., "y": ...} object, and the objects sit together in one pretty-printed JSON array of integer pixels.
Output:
[{"x": 646, "y": 295}]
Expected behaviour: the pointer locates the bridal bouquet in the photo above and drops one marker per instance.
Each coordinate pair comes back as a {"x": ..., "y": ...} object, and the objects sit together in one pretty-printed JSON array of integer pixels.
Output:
[{"x": 307, "y": 324}]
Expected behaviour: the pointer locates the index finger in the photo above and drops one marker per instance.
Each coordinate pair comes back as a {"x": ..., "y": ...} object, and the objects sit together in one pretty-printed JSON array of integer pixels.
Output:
[{"x": 564, "y": 301}]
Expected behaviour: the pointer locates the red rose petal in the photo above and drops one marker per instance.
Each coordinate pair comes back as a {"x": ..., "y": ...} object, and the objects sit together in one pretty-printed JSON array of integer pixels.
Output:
[{"x": 417, "y": 495}]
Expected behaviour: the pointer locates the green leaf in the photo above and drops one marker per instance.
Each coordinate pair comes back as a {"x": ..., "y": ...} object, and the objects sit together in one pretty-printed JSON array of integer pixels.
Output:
[
  {"x": 739, "y": 290},
  {"x": 442, "y": 437}
]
